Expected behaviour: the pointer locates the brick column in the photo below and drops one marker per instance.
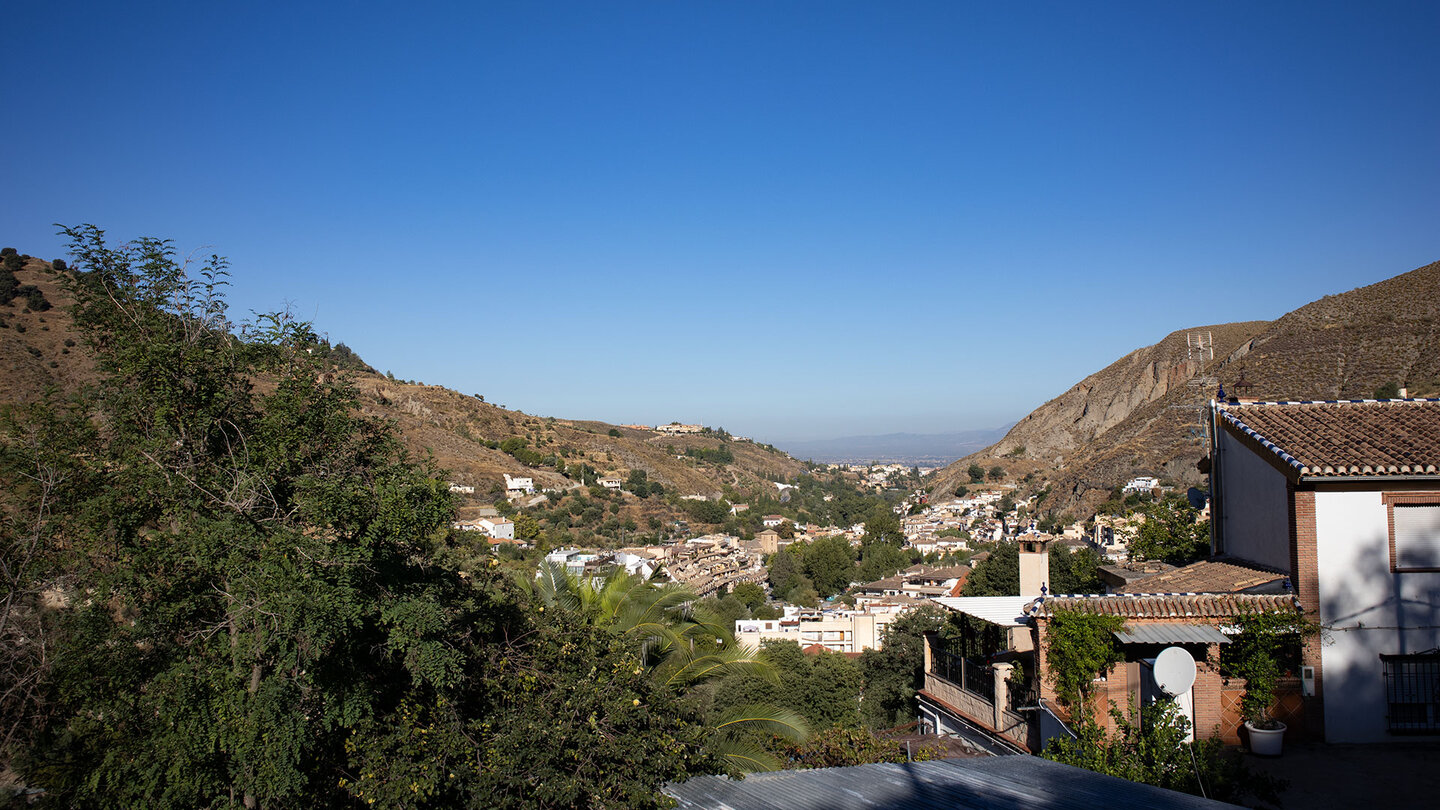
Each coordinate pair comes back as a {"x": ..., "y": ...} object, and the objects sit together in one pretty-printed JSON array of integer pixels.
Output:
[
  {"x": 1206, "y": 695},
  {"x": 1305, "y": 576}
]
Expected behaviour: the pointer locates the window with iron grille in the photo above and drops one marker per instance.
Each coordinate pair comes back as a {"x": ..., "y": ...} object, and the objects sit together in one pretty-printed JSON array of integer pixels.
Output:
[{"x": 1412, "y": 692}]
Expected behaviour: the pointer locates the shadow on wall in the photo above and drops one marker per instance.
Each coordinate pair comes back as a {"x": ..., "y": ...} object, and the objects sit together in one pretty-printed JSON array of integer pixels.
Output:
[{"x": 1356, "y": 628}]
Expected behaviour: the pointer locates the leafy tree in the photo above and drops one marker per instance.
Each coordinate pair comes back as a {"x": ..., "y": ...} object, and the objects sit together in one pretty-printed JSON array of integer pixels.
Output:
[
  {"x": 961, "y": 491},
  {"x": 681, "y": 647},
  {"x": 613, "y": 433},
  {"x": 1075, "y": 570},
  {"x": 880, "y": 560},
  {"x": 785, "y": 569},
  {"x": 829, "y": 562},
  {"x": 263, "y": 609},
  {"x": 977, "y": 473},
  {"x": 639, "y": 483},
  {"x": 526, "y": 527},
  {"x": 895, "y": 672},
  {"x": 882, "y": 526},
  {"x": 1171, "y": 532},
  {"x": 824, "y": 688},
  {"x": 1070, "y": 572},
  {"x": 707, "y": 511},
  {"x": 1389, "y": 390},
  {"x": 749, "y": 594},
  {"x": 997, "y": 473}
]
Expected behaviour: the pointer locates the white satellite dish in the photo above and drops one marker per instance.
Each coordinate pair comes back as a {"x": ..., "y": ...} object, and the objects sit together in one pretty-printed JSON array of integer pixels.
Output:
[{"x": 1174, "y": 671}]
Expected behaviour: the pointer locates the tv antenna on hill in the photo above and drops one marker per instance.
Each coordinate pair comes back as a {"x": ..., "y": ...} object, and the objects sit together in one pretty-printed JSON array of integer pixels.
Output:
[{"x": 1199, "y": 346}]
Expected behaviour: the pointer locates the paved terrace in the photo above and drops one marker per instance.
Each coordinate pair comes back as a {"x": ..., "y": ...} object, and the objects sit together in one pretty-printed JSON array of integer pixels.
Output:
[{"x": 1390, "y": 775}]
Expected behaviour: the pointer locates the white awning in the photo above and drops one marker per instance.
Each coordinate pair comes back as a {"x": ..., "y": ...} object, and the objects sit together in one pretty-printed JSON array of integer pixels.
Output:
[{"x": 1006, "y": 611}]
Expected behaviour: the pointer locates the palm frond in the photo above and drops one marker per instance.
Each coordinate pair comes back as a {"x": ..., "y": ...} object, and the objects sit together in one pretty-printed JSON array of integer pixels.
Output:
[
  {"x": 746, "y": 756},
  {"x": 765, "y": 719}
]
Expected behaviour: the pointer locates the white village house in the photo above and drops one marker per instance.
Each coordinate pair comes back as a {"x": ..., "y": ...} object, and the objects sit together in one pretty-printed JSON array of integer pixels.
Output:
[
  {"x": 517, "y": 485},
  {"x": 1345, "y": 498}
]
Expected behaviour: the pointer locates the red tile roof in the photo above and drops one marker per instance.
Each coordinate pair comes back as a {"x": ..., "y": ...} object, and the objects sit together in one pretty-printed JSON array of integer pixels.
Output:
[
  {"x": 1206, "y": 576},
  {"x": 1164, "y": 606},
  {"x": 1359, "y": 438}
]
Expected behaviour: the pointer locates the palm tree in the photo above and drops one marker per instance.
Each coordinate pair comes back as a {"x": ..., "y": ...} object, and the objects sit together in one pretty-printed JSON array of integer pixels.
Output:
[{"x": 681, "y": 644}]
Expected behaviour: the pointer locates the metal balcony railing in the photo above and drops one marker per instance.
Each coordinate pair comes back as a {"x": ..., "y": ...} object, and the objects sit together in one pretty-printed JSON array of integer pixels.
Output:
[{"x": 972, "y": 676}]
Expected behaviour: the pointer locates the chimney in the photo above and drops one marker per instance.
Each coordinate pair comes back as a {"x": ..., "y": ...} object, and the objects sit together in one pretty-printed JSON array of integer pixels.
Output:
[
  {"x": 1404, "y": 393},
  {"x": 1034, "y": 565}
]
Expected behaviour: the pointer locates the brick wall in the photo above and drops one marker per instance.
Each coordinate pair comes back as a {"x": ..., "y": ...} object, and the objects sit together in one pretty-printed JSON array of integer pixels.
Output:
[{"x": 1305, "y": 563}]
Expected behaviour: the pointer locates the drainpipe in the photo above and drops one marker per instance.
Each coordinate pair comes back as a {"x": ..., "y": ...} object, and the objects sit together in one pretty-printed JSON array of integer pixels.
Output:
[{"x": 1217, "y": 536}]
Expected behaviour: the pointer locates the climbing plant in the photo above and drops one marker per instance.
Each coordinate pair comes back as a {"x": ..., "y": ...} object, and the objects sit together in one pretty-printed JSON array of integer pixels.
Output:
[{"x": 1080, "y": 646}]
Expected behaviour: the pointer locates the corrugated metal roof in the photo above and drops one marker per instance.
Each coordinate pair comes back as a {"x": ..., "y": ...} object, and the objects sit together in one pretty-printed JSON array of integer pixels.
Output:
[
  {"x": 985, "y": 783},
  {"x": 1169, "y": 633},
  {"x": 1006, "y": 611}
]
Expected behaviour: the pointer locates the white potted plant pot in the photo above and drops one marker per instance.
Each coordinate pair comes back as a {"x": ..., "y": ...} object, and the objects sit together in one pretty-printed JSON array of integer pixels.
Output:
[{"x": 1266, "y": 742}]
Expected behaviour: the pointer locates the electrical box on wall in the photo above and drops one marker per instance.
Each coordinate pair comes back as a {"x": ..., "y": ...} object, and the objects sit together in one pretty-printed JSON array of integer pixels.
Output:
[{"x": 1307, "y": 681}]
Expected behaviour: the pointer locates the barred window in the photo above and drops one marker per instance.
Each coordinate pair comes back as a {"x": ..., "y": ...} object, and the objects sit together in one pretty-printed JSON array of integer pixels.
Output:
[{"x": 1412, "y": 692}]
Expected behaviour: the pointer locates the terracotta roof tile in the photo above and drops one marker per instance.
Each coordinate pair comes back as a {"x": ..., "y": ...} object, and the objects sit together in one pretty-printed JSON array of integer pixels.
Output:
[
  {"x": 1369, "y": 438},
  {"x": 1164, "y": 606},
  {"x": 1206, "y": 576}
]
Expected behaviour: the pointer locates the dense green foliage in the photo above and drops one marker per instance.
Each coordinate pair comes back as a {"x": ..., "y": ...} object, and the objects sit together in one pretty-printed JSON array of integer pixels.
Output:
[
  {"x": 716, "y": 455},
  {"x": 260, "y": 603},
  {"x": 1258, "y": 653},
  {"x": 1152, "y": 750},
  {"x": 1171, "y": 532},
  {"x": 802, "y": 572},
  {"x": 823, "y": 688},
  {"x": 896, "y": 671},
  {"x": 11, "y": 288},
  {"x": 682, "y": 647},
  {"x": 1080, "y": 646}
]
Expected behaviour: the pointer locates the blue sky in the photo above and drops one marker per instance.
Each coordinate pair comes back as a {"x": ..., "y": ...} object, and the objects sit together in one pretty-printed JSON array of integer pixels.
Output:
[{"x": 794, "y": 220}]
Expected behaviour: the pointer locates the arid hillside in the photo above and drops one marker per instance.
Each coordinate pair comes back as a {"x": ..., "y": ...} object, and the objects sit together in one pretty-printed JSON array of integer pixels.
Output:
[
  {"x": 1140, "y": 415},
  {"x": 40, "y": 350}
]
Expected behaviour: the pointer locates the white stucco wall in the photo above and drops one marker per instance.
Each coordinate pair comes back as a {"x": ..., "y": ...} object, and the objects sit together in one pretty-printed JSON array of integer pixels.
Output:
[
  {"x": 1366, "y": 611},
  {"x": 1254, "y": 509}
]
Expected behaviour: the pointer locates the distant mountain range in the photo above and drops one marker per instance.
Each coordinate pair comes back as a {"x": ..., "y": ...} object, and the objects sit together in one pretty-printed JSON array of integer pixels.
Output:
[{"x": 919, "y": 449}]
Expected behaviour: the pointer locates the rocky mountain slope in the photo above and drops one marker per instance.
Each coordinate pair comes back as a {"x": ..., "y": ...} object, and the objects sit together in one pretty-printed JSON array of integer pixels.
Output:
[{"x": 1140, "y": 415}]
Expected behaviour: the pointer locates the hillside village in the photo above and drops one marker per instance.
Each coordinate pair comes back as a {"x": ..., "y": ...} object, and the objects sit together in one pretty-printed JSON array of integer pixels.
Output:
[{"x": 931, "y": 600}]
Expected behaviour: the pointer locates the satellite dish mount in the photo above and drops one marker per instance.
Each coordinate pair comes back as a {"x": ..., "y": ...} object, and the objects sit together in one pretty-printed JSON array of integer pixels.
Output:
[{"x": 1174, "y": 671}]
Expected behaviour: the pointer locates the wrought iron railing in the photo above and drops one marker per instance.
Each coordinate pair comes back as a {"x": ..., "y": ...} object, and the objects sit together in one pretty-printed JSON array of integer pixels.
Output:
[
  {"x": 1412, "y": 693},
  {"x": 1021, "y": 697},
  {"x": 972, "y": 676}
]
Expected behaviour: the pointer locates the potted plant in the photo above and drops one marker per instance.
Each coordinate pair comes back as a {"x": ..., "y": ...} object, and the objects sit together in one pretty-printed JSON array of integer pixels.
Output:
[{"x": 1254, "y": 656}]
